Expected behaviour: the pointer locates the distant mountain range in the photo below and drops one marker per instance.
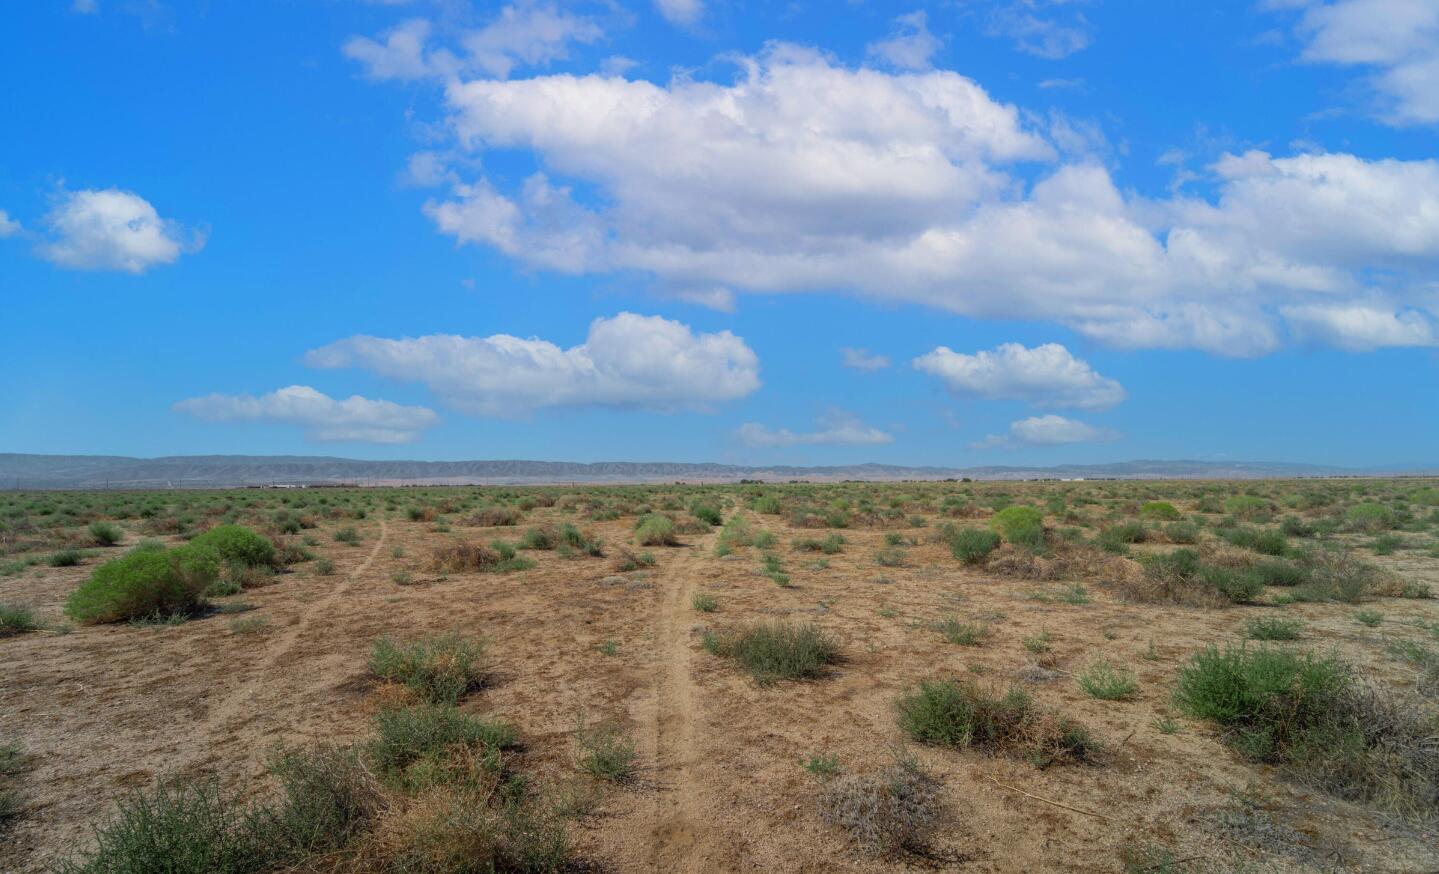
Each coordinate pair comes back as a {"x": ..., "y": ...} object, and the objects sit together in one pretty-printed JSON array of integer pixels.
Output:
[{"x": 214, "y": 471}]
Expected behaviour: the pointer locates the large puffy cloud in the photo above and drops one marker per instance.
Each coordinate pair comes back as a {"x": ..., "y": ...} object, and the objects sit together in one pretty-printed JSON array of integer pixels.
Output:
[
  {"x": 836, "y": 427},
  {"x": 1397, "y": 39},
  {"x": 1048, "y": 430},
  {"x": 1047, "y": 375},
  {"x": 112, "y": 230},
  {"x": 803, "y": 175},
  {"x": 627, "y": 361},
  {"x": 324, "y": 418}
]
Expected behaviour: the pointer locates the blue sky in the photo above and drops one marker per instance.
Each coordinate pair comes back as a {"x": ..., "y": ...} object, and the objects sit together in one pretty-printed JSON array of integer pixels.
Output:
[{"x": 1046, "y": 230}]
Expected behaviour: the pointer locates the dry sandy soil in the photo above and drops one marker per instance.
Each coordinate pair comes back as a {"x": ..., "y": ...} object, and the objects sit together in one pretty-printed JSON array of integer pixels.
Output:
[{"x": 721, "y": 785}]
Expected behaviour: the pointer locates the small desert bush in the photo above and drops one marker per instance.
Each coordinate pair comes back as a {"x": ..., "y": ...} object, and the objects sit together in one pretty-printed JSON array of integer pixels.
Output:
[
  {"x": 493, "y": 517},
  {"x": 607, "y": 751},
  {"x": 1261, "y": 540},
  {"x": 1247, "y": 507},
  {"x": 706, "y": 512},
  {"x": 16, "y": 620},
  {"x": 64, "y": 558},
  {"x": 105, "y": 533},
  {"x": 1161, "y": 511},
  {"x": 777, "y": 650},
  {"x": 704, "y": 602},
  {"x": 830, "y": 545},
  {"x": 971, "y": 545},
  {"x": 1322, "y": 724},
  {"x": 1273, "y": 628},
  {"x": 887, "y": 813},
  {"x": 459, "y": 557},
  {"x": 1180, "y": 577},
  {"x": 626, "y": 560},
  {"x": 347, "y": 534},
  {"x": 1107, "y": 683},
  {"x": 440, "y": 669},
  {"x": 945, "y": 713},
  {"x": 1369, "y": 516},
  {"x": 145, "y": 583},
  {"x": 962, "y": 633},
  {"x": 179, "y": 828},
  {"x": 237, "y": 545},
  {"x": 655, "y": 530},
  {"x": 430, "y": 744},
  {"x": 1020, "y": 525}
]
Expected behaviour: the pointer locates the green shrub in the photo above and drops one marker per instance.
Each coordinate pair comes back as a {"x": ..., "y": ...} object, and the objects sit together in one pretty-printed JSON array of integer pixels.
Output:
[
  {"x": 1270, "y": 700},
  {"x": 706, "y": 512},
  {"x": 420, "y": 746},
  {"x": 1260, "y": 540},
  {"x": 177, "y": 828},
  {"x": 1273, "y": 628},
  {"x": 971, "y": 545},
  {"x": 946, "y": 713},
  {"x": 105, "y": 533},
  {"x": 830, "y": 545},
  {"x": 766, "y": 504},
  {"x": 777, "y": 650},
  {"x": 64, "y": 558},
  {"x": 1161, "y": 511},
  {"x": 1107, "y": 683},
  {"x": 238, "y": 546},
  {"x": 655, "y": 530},
  {"x": 16, "y": 620},
  {"x": 1020, "y": 525},
  {"x": 1182, "y": 532},
  {"x": 348, "y": 534},
  {"x": 1369, "y": 516},
  {"x": 704, "y": 602},
  {"x": 145, "y": 583},
  {"x": 539, "y": 538},
  {"x": 439, "y": 669},
  {"x": 1247, "y": 507},
  {"x": 962, "y": 633},
  {"x": 608, "y": 751}
]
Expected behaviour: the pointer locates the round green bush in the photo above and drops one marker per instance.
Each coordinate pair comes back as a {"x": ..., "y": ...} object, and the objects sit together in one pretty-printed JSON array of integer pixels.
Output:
[
  {"x": 972, "y": 545},
  {"x": 655, "y": 530},
  {"x": 1162, "y": 510},
  {"x": 1021, "y": 525},
  {"x": 145, "y": 583},
  {"x": 1370, "y": 516},
  {"x": 237, "y": 544}
]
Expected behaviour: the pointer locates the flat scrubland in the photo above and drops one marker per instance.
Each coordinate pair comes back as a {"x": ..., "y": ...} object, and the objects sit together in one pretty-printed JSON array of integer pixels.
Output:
[{"x": 1086, "y": 676}]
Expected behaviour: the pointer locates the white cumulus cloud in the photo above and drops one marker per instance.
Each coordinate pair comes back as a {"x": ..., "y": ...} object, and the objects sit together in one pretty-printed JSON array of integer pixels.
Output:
[
  {"x": 803, "y": 175},
  {"x": 1047, "y": 375},
  {"x": 324, "y": 418},
  {"x": 1396, "y": 40},
  {"x": 1048, "y": 430},
  {"x": 836, "y": 427},
  {"x": 112, "y": 229},
  {"x": 628, "y": 361}
]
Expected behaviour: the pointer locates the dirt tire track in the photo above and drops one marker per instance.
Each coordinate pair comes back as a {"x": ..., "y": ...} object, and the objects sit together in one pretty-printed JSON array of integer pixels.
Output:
[
  {"x": 239, "y": 701},
  {"x": 681, "y": 834}
]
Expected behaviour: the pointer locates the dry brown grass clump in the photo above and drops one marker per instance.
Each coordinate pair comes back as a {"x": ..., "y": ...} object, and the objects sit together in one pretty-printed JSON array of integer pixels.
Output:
[
  {"x": 458, "y": 558},
  {"x": 887, "y": 813},
  {"x": 494, "y": 517}
]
